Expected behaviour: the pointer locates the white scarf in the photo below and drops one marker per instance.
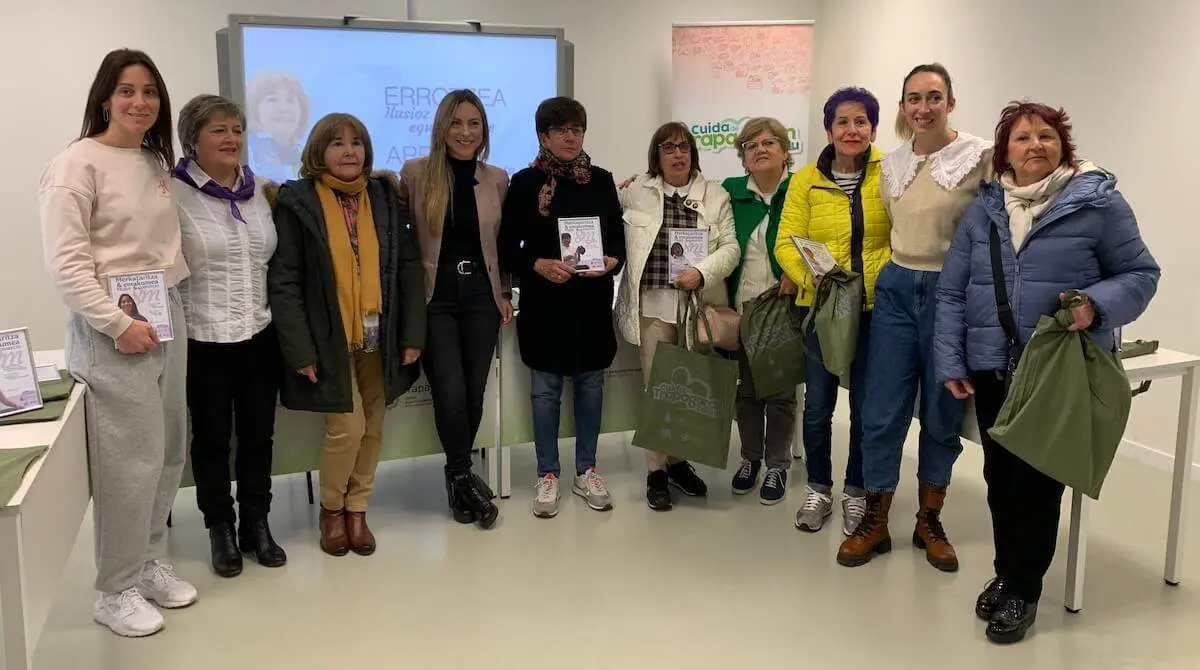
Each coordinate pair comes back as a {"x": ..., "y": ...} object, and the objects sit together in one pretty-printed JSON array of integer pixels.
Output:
[{"x": 1024, "y": 204}]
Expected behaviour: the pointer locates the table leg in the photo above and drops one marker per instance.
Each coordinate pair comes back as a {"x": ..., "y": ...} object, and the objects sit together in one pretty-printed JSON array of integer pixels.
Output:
[
  {"x": 1076, "y": 551},
  {"x": 505, "y": 472},
  {"x": 12, "y": 602},
  {"x": 1185, "y": 436}
]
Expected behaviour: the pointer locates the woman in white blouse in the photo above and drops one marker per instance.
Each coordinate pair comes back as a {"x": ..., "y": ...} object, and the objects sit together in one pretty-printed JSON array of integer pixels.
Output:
[{"x": 233, "y": 352}]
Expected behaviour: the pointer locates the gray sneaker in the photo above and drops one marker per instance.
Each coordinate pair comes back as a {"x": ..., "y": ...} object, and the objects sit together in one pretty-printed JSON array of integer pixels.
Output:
[
  {"x": 590, "y": 486},
  {"x": 853, "y": 509},
  {"x": 816, "y": 508},
  {"x": 545, "y": 499}
]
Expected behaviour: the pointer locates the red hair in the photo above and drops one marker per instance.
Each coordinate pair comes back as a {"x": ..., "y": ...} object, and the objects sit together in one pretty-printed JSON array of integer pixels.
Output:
[{"x": 1014, "y": 112}]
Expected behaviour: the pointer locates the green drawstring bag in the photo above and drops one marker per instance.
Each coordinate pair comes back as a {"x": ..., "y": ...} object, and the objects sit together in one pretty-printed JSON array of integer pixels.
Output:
[
  {"x": 1067, "y": 404},
  {"x": 773, "y": 343},
  {"x": 835, "y": 314},
  {"x": 687, "y": 411}
]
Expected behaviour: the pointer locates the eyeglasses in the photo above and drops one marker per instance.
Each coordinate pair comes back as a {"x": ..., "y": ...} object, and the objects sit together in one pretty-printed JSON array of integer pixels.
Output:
[
  {"x": 768, "y": 144},
  {"x": 568, "y": 130},
  {"x": 669, "y": 148}
]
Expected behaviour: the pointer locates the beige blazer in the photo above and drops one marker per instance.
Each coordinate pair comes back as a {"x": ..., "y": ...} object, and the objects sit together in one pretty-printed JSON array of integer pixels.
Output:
[{"x": 490, "y": 190}]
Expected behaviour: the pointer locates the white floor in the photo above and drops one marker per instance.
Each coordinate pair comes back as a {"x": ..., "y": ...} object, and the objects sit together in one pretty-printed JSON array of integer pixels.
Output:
[{"x": 726, "y": 583}]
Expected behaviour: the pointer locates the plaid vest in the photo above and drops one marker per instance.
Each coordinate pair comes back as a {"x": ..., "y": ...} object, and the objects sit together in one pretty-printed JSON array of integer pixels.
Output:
[{"x": 675, "y": 215}]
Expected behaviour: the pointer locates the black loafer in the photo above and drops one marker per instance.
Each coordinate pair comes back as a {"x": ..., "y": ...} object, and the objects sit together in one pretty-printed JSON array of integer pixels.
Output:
[
  {"x": 1010, "y": 623},
  {"x": 991, "y": 599}
]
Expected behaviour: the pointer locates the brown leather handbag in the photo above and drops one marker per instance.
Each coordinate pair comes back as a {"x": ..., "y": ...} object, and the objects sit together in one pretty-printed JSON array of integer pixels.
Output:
[{"x": 724, "y": 322}]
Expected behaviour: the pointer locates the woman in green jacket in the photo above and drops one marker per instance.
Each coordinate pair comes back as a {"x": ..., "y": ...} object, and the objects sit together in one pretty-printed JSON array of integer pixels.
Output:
[{"x": 765, "y": 424}]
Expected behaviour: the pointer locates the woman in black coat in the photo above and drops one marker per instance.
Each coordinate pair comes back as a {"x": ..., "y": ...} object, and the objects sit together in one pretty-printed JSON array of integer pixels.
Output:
[
  {"x": 565, "y": 320},
  {"x": 348, "y": 301}
]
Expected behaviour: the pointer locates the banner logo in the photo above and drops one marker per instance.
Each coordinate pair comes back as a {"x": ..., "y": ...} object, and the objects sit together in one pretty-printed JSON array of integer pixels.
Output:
[
  {"x": 720, "y": 136},
  {"x": 692, "y": 394}
]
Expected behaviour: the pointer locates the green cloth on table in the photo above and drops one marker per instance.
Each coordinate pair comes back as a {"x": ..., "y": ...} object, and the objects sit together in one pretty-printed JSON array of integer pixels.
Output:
[
  {"x": 1138, "y": 348},
  {"x": 14, "y": 463},
  {"x": 54, "y": 398}
]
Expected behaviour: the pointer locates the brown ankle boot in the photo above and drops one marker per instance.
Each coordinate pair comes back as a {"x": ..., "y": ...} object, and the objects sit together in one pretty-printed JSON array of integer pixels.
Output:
[
  {"x": 871, "y": 537},
  {"x": 362, "y": 540},
  {"x": 929, "y": 534},
  {"x": 334, "y": 540}
]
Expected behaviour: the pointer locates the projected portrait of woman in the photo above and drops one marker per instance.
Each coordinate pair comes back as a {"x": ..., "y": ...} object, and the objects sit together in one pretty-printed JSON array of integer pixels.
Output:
[{"x": 277, "y": 115}]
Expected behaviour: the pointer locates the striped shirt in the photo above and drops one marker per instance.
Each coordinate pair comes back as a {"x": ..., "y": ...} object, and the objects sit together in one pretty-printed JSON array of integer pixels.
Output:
[{"x": 848, "y": 181}]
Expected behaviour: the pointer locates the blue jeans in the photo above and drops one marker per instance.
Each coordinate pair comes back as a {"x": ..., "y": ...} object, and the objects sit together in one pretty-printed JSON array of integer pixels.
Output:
[
  {"x": 899, "y": 364},
  {"x": 820, "y": 399},
  {"x": 547, "y": 398}
]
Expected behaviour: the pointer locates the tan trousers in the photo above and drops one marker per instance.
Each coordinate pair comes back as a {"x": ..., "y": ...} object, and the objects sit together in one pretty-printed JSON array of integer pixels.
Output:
[
  {"x": 654, "y": 331},
  {"x": 352, "y": 441}
]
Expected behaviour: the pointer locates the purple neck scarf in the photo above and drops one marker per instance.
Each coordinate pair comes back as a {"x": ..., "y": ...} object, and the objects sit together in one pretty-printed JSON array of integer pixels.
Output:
[{"x": 212, "y": 188}]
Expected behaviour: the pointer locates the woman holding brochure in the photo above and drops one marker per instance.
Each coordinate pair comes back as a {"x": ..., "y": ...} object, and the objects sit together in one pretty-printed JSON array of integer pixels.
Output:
[
  {"x": 927, "y": 184},
  {"x": 454, "y": 200},
  {"x": 106, "y": 210},
  {"x": 345, "y": 293},
  {"x": 836, "y": 202},
  {"x": 555, "y": 207},
  {"x": 765, "y": 425},
  {"x": 672, "y": 202},
  {"x": 233, "y": 349}
]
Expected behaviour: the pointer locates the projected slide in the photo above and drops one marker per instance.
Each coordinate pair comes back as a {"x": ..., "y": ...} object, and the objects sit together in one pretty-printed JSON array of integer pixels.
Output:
[{"x": 392, "y": 81}]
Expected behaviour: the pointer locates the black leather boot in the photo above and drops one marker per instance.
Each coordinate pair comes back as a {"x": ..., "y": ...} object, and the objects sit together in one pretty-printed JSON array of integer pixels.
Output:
[
  {"x": 458, "y": 510},
  {"x": 226, "y": 559},
  {"x": 991, "y": 599},
  {"x": 473, "y": 494},
  {"x": 1011, "y": 622},
  {"x": 255, "y": 540}
]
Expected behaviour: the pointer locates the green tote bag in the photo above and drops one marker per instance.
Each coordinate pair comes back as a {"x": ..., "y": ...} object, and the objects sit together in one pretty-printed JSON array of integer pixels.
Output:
[
  {"x": 773, "y": 343},
  {"x": 1067, "y": 405},
  {"x": 835, "y": 314},
  {"x": 688, "y": 407}
]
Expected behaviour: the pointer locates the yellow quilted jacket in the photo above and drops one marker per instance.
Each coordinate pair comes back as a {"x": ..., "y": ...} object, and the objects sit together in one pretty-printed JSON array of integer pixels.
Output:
[{"x": 857, "y": 232}]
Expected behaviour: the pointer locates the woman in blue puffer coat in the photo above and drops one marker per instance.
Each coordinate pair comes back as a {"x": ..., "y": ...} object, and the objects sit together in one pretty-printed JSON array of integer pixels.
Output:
[{"x": 1058, "y": 224}]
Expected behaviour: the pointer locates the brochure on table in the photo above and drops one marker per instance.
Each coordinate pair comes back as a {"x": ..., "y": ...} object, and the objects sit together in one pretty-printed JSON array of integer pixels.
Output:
[
  {"x": 686, "y": 247},
  {"x": 581, "y": 243},
  {"x": 143, "y": 296},
  {"x": 19, "y": 391}
]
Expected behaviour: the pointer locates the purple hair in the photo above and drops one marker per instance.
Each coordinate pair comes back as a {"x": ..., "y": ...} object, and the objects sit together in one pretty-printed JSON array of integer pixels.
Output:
[{"x": 852, "y": 94}]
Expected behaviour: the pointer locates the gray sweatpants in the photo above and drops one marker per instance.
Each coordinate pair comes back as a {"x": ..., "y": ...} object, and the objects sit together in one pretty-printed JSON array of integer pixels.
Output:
[{"x": 136, "y": 413}]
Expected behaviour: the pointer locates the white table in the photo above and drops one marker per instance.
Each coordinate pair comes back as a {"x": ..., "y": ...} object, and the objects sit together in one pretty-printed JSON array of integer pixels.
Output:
[
  {"x": 39, "y": 526},
  {"x": 1164, "y": 364}
]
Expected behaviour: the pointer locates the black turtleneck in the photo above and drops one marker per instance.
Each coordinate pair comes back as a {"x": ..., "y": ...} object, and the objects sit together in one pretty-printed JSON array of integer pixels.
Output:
[{"x": 460, "y": 234}]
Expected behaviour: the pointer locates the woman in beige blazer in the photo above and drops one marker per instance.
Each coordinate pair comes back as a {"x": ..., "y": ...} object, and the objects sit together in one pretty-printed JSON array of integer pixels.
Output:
[{"x": 454, "y": 200}]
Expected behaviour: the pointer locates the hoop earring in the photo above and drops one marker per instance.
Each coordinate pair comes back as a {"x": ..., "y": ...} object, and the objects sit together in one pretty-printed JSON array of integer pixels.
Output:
[{"x": 104, "y": 110}]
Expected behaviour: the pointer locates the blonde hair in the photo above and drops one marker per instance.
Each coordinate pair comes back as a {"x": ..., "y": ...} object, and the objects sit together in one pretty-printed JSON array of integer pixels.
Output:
[
  {"x": 903, "y": 130},
  {"x": 439, "y": 179},
  {"x": 755, "y": 127},
  {"x": 264, "y": 84},
  {"x": 312, "y": 159}
]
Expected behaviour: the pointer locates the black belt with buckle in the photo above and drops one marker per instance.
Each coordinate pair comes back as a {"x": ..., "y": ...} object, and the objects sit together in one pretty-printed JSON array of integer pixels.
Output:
[{"x": 465, "y": 268}]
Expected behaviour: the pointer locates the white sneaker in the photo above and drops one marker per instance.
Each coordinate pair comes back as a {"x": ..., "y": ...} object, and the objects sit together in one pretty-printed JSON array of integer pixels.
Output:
[
  {"x": 160, "y": 584},
  {"x": 545, "y": 499},
  {"x": 127, "y": 614},
  {"x": 853, "y": 510},
  {"x": 590, "y": 486},
  {"x": 812, "y": 514}
]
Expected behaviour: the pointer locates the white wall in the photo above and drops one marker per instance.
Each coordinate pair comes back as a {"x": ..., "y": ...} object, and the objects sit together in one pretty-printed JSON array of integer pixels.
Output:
[
  {"x": 622, "y": 69},
  {"x": 1126, "y": 73}
]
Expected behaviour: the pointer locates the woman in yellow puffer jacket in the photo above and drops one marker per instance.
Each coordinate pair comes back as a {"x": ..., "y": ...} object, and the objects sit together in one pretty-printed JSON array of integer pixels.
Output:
[{"x": 836, "y": 201}]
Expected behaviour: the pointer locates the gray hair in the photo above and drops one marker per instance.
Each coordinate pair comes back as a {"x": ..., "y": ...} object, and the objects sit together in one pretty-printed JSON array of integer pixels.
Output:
[{"x": 198, "y": 112}]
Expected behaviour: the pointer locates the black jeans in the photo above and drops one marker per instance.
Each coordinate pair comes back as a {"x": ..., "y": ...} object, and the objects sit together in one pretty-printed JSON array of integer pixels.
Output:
[
  {"x": 1024, "y": 503},
  {"x": 464, "y": 324},
  {"x": 233, "y": 387}
]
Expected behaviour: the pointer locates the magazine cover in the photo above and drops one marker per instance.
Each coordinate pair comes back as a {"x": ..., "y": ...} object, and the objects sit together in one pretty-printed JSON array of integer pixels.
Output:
[
  {"x": 686, "y": 246},
  {"x": 815, "y": 255},
  {"x": 143, "y": 296},
  {"x": 19, "y": 391},
  {"x": 580, "y": 242}
]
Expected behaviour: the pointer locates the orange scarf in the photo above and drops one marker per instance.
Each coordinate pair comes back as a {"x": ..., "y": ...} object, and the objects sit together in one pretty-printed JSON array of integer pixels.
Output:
[{"x": 356, "y": 275}]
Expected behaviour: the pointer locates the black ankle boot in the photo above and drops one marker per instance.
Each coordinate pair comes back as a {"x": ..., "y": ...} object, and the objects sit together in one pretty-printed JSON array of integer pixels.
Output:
[
  {"x": 473, "y": 494},
  {"x": 458, "y": 510},
  {"x": 254, "y": 539},
  {"x": 226, "y": 559},
  {"x": 1010, "y": 623}
]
